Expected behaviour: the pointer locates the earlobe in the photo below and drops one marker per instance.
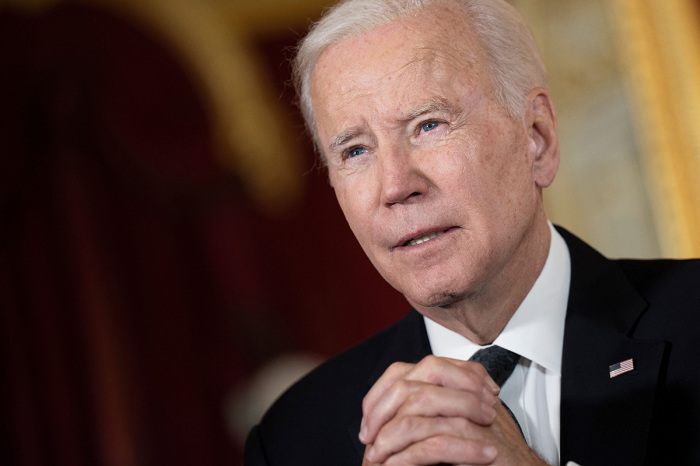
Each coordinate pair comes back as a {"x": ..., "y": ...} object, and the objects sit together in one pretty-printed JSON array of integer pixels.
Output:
[{"x": 544, "y": 138}]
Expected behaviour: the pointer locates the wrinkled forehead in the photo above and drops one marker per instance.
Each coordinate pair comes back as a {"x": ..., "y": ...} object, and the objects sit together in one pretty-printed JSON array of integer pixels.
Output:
[
  {"x": 441, "y": 39},
  {"x": 443, "y": 27}
]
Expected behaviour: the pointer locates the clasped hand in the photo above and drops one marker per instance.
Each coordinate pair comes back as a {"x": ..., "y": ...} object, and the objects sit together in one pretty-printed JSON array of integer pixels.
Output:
[{"x": 439, "y": 411}]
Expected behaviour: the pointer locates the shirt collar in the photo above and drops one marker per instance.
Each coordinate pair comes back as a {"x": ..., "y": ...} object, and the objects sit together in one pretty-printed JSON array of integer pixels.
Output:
[{"x": 536, "y": 330}]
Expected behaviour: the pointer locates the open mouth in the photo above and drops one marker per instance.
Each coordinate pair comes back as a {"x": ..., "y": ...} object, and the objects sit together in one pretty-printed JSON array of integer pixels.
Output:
[{"x": 423, "y": 238}]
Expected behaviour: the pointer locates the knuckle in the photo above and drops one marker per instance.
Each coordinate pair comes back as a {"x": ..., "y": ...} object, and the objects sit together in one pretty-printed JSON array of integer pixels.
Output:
[
  {"x": 471, "y": 450},
  {"x": 428, "y": 370},
  {"x": 434, "y": 377},
  {"x": 480, "y": 373},
  {"x": 474, "y": 379},
  {"x": 380, "y": 443},
  {"x": 420, "y": 397},
  {"x": 438, "y": 444},
  {"x": 429, "y": 362},
  {"x": 458, "y": 424},
  {"x": 430, "y": 359},
  {"x": 365, "y": 404},
  {"x": 405, "y": 387},
  {"x": 396, "y": 368},
  {"x": 406, "y": 425}
]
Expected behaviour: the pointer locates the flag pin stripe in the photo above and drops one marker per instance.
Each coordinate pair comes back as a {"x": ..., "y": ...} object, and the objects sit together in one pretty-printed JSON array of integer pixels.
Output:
[{"x": 621, "y": 367}]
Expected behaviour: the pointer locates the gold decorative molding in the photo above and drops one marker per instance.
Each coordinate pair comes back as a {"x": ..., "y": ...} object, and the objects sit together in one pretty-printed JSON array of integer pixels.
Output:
[
  {"x": 659, "y": 47},
  {"x": 263, "y": 16},
  {"x": 253, "y": 133}
]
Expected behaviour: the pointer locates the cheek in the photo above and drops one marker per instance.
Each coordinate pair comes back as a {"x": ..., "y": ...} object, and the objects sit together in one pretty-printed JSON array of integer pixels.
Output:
[
  {"x": 354, "y": 207},
  {"x": 491, "y": 180},
  {"x": 472, "y": 171},
  {"x": 346, "y": 206},
  {"x": 508, "y": 160}
]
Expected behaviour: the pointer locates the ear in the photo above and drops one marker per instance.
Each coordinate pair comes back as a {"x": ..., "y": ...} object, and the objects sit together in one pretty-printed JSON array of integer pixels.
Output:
[{"x": 544, "y": 137}]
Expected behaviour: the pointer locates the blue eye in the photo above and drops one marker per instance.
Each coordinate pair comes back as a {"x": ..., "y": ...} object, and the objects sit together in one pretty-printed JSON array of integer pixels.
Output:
[
  {"x": 429, "y": 125},
  {"x": 355, "y": 151}
]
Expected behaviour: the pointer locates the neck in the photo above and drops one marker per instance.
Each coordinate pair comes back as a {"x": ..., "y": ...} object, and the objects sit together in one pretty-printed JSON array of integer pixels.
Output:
[{"x": 481, "y": 316}]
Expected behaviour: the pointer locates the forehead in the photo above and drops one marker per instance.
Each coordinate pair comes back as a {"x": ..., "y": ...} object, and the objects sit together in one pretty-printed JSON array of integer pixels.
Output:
[
  {"x": 430, "y": 51},
  {"x": 443, "y": 31}
]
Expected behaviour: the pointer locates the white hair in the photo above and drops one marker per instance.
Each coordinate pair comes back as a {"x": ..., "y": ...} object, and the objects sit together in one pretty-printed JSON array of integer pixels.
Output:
[{"x": 514, "y": 63}]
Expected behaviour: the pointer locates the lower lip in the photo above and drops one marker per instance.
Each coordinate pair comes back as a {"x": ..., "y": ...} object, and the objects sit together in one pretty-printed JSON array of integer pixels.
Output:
[{"x": 425, "y": 243}]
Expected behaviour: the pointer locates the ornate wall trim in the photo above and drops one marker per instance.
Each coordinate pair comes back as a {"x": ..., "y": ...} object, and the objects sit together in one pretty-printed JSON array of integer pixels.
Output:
[{"x": 659, "y": 47}]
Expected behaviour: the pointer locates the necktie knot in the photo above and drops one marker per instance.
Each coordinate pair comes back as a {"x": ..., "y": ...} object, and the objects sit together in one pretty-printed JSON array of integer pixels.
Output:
[{"x": 498, "y": 362}]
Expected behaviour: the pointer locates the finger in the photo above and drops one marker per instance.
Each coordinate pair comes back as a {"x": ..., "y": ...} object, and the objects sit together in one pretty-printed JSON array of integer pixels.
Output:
[
  {"x": 365, "y": 460},
  {"x": 505, "y": 426},
  {"x": 465, "y": 375},
  {"x": 411, "y": 398},
  {"x": 393, "y": 373},
  {"x": 403, "y": 380},
  {"x": 432, "y": 400},
  {"x": 399, "y": 434},
  {"x": 445, "y": 449},
  {"x": 385, "y": 408}
]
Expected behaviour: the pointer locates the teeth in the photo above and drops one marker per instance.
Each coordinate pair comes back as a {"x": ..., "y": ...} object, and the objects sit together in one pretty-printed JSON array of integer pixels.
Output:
[{"x": 424, "y": 238}]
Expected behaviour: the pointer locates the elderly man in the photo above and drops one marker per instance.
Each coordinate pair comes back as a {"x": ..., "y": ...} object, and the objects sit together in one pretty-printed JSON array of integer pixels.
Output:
[{"x": 439, "y": 136}]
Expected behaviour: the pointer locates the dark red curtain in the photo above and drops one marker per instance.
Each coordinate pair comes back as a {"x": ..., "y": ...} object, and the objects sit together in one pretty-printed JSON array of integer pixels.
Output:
[{"x": 138, "y": 283}]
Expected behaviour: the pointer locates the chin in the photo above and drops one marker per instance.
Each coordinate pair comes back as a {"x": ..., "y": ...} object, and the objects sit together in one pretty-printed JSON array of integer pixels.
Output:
[
  {"x": 440, "y": 289},
  {"x": 444, "y": 299}
]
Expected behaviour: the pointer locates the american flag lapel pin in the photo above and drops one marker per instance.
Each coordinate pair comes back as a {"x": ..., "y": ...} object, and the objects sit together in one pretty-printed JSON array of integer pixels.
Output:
[{"x": 621, "y": 367}]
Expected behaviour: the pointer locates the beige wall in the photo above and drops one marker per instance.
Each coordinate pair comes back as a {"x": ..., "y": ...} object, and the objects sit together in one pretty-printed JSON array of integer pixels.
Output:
[{"x": 628, "y": 113}]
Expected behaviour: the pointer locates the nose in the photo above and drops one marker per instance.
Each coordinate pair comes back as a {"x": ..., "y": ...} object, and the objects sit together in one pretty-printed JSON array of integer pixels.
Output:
[{"x": 401, "y": 178}]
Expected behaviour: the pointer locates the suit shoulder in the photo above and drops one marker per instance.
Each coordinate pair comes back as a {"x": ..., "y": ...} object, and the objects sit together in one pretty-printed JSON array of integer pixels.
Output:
[
  {"x": 342, "y": 372},
  {"x": 654, "y": 278},
  {"x": 671, "y": 289},
  {"x": 318, "y": 418}
]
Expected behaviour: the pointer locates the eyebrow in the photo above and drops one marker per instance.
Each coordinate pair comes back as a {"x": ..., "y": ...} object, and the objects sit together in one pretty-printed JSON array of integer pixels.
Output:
[
  {"x": 343, "y": 137},
  {"x": 438, "y": 104}
]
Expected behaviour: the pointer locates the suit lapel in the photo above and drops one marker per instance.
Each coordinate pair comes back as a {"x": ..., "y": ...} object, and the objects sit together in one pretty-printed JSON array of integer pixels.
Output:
[
  {"x": 605, "y": 420},
  {"x": 408, "y": 344}
]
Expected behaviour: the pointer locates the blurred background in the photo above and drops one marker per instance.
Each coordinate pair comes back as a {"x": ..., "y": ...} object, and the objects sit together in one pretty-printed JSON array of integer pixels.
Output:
[{"x": 171, "y": 256}]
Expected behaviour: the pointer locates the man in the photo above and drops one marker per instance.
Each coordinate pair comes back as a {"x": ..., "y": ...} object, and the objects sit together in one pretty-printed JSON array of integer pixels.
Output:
[{"x": 439, "y": 136}]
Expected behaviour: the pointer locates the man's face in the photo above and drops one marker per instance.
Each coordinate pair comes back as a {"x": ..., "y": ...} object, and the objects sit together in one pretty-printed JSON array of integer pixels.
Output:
[{"x": 434, "y": 178}]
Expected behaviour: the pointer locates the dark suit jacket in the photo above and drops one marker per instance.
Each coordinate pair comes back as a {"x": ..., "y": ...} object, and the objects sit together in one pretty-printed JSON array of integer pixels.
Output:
[{"x": 645, "y": 310}]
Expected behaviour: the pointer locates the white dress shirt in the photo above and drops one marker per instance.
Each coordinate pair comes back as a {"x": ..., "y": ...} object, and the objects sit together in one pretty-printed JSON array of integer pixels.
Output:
[{"x": 535, "y": 332}]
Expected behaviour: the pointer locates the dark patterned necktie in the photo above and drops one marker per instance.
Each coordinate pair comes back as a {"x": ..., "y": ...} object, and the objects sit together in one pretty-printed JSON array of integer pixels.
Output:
[{"x": 499, "y": 363}]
